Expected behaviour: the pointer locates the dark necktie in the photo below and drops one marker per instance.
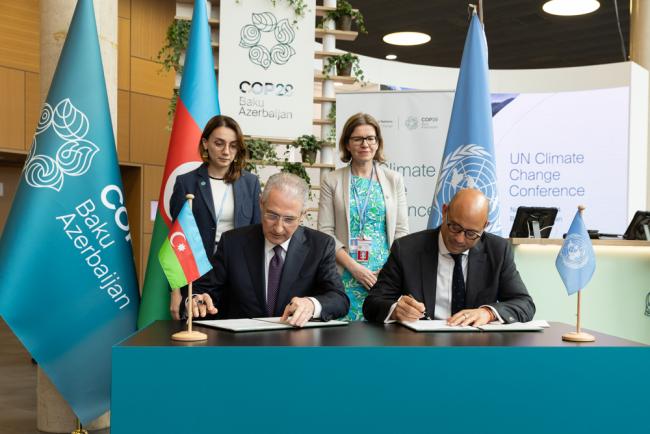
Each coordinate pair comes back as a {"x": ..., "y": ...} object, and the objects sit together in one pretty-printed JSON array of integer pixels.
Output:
[
  {"x": 457, "y": 285},
  {"x": 275, "y": 271}
]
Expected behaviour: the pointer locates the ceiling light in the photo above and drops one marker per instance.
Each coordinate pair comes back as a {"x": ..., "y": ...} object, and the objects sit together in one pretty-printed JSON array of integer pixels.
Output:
[
  {"x": 391, "y": 56},
  {"x": 406, "y": 38},
  {"x": 570, "y": 7}
]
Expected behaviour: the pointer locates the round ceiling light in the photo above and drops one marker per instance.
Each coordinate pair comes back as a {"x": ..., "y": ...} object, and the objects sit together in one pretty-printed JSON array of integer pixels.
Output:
[
  {"x": 406, "y": 38},
  {"x": 391, "y": 57},
  {"x": 569, "y": 8}
]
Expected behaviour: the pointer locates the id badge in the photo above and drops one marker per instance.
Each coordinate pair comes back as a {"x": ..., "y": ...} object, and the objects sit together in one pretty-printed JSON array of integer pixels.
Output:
[
  {"x": 354, "y": 246},
  {"x": 363, "y": 250}
]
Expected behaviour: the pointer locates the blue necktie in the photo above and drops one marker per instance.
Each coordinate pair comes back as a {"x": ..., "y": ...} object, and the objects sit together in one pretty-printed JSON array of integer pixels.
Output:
[
  {"x": 275, "y": 272},
  {"x": 457, "y": 284}
]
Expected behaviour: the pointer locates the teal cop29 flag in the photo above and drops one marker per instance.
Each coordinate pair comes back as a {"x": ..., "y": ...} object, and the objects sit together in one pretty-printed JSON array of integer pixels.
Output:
[
  {"x": 576, "y": 261},
  {"x": 468, "y": 157},
  {"x": 68, "y": 288}
]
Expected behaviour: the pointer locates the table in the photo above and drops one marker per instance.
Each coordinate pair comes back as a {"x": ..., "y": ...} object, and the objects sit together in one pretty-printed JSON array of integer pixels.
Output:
[{"x": 378, "y": 378}]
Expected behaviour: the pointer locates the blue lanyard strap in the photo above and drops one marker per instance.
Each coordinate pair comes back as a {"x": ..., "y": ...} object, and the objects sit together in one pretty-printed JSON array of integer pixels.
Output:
[{"x": 363, "y": 210}]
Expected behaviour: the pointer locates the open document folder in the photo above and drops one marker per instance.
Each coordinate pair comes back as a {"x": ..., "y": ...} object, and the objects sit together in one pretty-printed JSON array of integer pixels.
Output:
[
  {"x": 442, "y": 326},
  {"x": 260, "y": 324}
]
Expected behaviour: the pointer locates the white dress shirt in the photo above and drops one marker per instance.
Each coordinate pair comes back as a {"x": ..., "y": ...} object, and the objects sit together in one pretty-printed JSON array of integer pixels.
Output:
[
  {"x": 226, "y": 220},
  {"x": 444, "y": 277},
  {"x": 269, "y": 253}
]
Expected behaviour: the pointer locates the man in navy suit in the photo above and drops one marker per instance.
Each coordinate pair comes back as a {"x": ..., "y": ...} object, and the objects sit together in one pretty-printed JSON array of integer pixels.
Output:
[
  {"x": 276, "y": 268},
  {"x": 456, "y": 272}
]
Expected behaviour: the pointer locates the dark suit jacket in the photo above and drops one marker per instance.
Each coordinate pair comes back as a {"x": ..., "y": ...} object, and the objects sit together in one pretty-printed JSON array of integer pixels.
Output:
[
  {"x": 246, "y": 191},
  {"x": 492, "y": 277},
  {"x": 237, "y": 282}
]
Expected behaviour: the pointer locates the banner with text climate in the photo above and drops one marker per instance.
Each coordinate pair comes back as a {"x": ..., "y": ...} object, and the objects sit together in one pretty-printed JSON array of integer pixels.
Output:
[
  {"x": 266, "y": 67},
  {"x": 552, "y": 149}
]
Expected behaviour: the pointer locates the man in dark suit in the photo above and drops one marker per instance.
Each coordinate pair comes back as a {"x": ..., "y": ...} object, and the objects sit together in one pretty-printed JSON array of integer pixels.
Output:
[
  {"x": 456, "y": 272},
  {"x": 278, "y": 268}
]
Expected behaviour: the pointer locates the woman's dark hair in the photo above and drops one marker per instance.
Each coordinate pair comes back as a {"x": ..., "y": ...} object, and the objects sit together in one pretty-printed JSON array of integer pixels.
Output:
[{"x": 238, "y": 164}]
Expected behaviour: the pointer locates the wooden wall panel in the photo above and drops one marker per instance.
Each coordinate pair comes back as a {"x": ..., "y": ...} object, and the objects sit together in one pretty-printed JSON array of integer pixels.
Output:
[
  {"x": 124, "y": 9},
  {"x": 123, "y": 54},
  {"x": 152, "y": 180},
  {"x": 33, "y": 105},
  {"x": 20, "y": 34},
  {"x": 12, "y": 109},
  {"x": 132, "y": 181},
  {"x": 148, "y": 77},
  {"x": 149, "y": 137},
  {"x": 123, "y": 122},
  {"x": 9, "y": 178},
  {"x": 149, "y": 22}
]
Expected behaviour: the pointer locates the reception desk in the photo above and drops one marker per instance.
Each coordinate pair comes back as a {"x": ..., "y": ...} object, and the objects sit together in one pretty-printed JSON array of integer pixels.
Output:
[
  {"x": 370, "y": 378},
  {"x": 616, "y": 300}
]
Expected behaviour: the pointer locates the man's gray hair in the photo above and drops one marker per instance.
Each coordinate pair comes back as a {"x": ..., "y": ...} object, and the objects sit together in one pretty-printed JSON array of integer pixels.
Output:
[{"x": 287, "y": 183}]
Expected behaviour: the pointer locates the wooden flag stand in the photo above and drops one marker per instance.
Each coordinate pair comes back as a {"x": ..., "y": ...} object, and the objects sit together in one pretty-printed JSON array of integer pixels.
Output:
[
  {"x": 79, "y": 429},
  {"x": 189, "y": 335},
  {"x": 578, "y": 336}
]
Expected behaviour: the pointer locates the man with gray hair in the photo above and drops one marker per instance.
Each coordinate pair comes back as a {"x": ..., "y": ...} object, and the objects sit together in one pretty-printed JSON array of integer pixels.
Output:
[{"x": 276, "y": 268}]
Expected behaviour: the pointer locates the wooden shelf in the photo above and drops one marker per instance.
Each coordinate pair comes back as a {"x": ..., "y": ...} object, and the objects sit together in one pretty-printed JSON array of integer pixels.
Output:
[
  {"x": 211, "y": 21},
  {"x": 307, "y": 166},
  {"x": 323, "y": 122},
  {"x": 326, "y": 54},
  {"x": 272, "y": 140},
  {"x": 343, "y": 35},
  {"x": 345, "y": 79},
  {"x": 322, "y": 99},
  {"x": 322, "y": 10}
]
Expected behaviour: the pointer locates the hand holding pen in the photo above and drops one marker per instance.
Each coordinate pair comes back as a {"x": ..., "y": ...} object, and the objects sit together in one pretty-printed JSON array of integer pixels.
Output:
[{"x": 409, "y": 309}]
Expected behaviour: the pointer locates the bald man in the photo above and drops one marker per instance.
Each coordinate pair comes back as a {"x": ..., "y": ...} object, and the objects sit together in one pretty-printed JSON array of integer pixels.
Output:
[{"x": 456, "y": 272}]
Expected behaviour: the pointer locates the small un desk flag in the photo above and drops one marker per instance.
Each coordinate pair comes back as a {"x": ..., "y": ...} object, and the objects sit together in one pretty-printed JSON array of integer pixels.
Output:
[{"x": 576, "y": 263}]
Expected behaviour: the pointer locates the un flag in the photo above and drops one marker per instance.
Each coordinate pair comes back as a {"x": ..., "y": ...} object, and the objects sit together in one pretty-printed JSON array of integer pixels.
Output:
[
  {"x": 468, "y": 157},
  {"x": 68, "y": 288}
]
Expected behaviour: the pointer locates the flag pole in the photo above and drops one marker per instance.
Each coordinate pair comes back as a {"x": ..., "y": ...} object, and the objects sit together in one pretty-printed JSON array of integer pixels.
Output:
[
  {"x": 79, "y": 429},
  {"x": 578, "y": 336},
  {"x": 189, "y": 335}
]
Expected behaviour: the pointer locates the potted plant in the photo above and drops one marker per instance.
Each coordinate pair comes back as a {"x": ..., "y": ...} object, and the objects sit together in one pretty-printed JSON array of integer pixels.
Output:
[
  {"x": 309, "y": 146},
  {"x": 297, "y": 169},
  {"x": 343, "y": 16},
  {"x": 346, "y": 64},
  {"x": 260, "y": 150}
]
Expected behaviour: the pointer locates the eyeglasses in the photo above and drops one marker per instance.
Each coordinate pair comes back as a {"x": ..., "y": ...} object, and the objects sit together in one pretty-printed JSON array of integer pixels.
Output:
[
  {"x": 469, "y": 234},
  {"x": 286, "y": 219},
  {"x": 358, "y": 140},
  {"x": 233, "y": 146}
]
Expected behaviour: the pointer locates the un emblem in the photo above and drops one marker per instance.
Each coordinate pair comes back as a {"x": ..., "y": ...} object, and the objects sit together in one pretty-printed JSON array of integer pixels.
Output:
[
  {"x": 251, "y": 36},
  {"x": 469, "y": 166},
  {"x": 73, "y": 156},
  {"x": 574, "y": 252}
]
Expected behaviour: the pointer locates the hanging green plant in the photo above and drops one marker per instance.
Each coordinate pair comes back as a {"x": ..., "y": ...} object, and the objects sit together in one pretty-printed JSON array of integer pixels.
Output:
[
  {"x": 331, "y": 116},
  {"x": 260, "y": 150},
  {"x": 297, "y": 169},
  {"x": 176, "y": 39},
  {"x": 346, "y": 64},
  {"x": 344, "y": 15},
  {"x": 309, "y": 145}
]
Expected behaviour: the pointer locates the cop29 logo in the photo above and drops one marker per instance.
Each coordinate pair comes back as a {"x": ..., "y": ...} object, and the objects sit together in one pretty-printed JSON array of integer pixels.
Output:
[
  {"x": 251, "y": 39},
  {"x": 73, "y": 157}
]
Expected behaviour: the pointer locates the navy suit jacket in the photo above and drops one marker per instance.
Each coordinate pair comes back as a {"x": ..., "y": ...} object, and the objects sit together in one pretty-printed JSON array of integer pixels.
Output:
[
  {"x": 246, "y": 191},
  {"x": 237, "y": 283},
  {"x": 412, "y": 268}
]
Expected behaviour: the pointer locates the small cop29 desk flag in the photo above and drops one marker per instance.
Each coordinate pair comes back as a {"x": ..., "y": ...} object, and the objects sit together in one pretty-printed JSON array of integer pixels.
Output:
[
  {"x": 68, "y": 288},
  {"x": 576, "y": 263},
  {"x": 183, "y": 260}
]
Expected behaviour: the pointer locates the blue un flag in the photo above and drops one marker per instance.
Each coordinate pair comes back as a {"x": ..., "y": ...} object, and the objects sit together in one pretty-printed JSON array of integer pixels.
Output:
[
  {"x": 576, "y": 261},
  {"x": 468, "y": 157},
  {"x": 68, "y": 288}
]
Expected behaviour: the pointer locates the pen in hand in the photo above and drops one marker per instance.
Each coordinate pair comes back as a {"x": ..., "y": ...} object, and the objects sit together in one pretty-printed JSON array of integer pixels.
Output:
[{"x": 424, "y": 314}]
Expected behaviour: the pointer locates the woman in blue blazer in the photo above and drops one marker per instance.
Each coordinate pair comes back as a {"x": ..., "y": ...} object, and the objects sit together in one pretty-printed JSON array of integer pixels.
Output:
[{"x": 225, "y": 195}]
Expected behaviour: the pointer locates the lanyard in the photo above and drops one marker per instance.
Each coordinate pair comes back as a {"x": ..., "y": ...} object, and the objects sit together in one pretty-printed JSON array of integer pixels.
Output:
[{"x": 363, "y": 210}]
